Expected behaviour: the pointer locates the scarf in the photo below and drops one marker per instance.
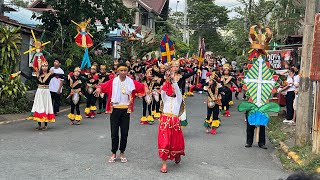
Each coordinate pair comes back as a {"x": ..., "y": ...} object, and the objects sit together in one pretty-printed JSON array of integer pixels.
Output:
[{"x": 117, "y": 89}]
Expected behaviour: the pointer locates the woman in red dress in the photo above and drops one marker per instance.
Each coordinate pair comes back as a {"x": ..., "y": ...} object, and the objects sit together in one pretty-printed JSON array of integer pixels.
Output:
[{"x": 170, "y": 137}]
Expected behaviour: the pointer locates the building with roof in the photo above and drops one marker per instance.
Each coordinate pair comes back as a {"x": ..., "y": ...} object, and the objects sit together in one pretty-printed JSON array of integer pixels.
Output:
[{"x": 16, "y": 16}]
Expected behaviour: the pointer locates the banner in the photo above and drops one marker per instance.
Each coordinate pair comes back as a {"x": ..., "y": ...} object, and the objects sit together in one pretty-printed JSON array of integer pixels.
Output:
[{"x": 277, "y": 58}]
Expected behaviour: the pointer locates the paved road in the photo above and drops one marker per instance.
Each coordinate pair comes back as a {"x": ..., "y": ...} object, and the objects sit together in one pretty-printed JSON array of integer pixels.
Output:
[{"x": 80, "y": 152}]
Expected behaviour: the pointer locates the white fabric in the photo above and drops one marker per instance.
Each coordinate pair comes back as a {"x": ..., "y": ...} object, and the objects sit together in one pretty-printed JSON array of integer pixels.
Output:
[
  {"x": 290, "y": 84},
  {"x": 172, "y": 105},
  {"x": 204, "y": 74},
  {"x": 42, "y": 102},
  {"x": 55, "y": 82},
  {"x": 296, "y": 81},
  {"x": 223, "y": 61},
  {"x": 117, "y": 97}
]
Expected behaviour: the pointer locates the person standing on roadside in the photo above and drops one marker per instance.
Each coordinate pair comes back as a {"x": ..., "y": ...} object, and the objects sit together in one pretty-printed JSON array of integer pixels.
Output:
[{"x": 55, "y": 86}]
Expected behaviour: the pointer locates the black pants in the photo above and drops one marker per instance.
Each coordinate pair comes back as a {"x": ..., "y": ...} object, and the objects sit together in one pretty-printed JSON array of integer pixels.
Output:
[
  {"x": 214, "y": 111},
  {"x": 56, "y": 101},
  {"x": 119, "y": 118},
  {"x": 145, "y": 106},
  {"x": 103, "y": 102},
  {"x": 250, "y": 134},
  {"x": 75, "y": 106},
  {"x": 226, "y": 98},
  {"x": 91, "y": 99},
  {"x": 156, "y": 105},
  {"x": 289, "y": 100}
]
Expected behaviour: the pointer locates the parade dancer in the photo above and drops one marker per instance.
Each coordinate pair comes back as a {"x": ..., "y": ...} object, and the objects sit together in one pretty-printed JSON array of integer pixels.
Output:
[
  {"x": 147, "y": 99},
  {"x": 214, "y": 101},
  {"x": 42, "y": 109},
  {"x": 75, "y": 93},
  {"x": 92, "y": 81},
  {"x": 170, "y": 136},
  {"x": 121, "y": 92},
  {"x": 227, "y": 80},
  {"x": 102, "y": 99}
]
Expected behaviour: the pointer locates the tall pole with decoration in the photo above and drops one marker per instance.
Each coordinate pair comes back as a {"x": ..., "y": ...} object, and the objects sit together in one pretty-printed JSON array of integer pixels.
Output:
[
  {"x": 259, "y": 80},
  {"x": 200, "y": 58}
]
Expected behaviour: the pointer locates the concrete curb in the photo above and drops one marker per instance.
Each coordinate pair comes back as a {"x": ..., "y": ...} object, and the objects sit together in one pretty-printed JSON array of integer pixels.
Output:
[{"x": 290, "y": 154}]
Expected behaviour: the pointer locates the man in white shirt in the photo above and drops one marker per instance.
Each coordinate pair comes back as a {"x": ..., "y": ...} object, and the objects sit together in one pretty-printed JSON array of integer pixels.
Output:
[{"x": 55, "y": 86}]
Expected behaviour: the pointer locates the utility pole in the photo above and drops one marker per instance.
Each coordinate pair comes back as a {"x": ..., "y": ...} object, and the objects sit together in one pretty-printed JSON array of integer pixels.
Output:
[
  {"x": 185, "y": 22},
  {"x": 1, "y": 7},
  {"x": 305, "y": 106}
]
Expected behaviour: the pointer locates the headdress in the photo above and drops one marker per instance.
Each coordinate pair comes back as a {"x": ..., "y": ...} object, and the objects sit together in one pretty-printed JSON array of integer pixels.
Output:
[
  {"x": 77, "y": 69},
  {"x": 175, "y": 63},
  {"x": 226, "y": 66},
  {"x": 94, "y": 67},
  {"x": 103, "y": 67}
]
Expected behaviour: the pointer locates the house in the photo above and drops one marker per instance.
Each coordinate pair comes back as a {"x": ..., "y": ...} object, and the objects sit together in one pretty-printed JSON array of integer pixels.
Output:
[{"x": 21, "y": 17}]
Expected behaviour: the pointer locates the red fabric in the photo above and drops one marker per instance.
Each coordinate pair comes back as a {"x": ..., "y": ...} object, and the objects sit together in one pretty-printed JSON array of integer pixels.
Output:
[
  {"x": 35, "y": 65},
  {"x": 107, "y": 89},
  {"x": 199, "y": 85},
  {"x": 112, "y": 76},
  {"x": 95, "y": 77},
  {"x": 71, "y": 74},
  {"x": 167, "y": 87},
  {"x": 281, "y": 99},
  {"x": 43, "y": 115},
  {"x": 170, "y": 138},
  {"x": 89, "y": 41},
  {"x": 192, "y": 88},
  {"x": 208, "y": 74}
]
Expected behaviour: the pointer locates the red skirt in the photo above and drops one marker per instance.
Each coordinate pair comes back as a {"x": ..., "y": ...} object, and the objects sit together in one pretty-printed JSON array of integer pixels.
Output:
[{"x": 170, "y": 138}]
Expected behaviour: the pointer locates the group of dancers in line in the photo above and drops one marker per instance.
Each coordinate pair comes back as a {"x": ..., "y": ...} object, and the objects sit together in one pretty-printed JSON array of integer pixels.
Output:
[{"x": 162, "y": 88}]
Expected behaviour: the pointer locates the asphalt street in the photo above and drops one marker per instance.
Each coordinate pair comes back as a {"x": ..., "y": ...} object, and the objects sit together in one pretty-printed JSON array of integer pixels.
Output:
[{"x": 81, "y": 152}]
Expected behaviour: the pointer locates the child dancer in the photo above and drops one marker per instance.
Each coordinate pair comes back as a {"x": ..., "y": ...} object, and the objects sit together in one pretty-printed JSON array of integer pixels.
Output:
[
  {"x": 213, "y": 103},
  {"x": 170, "y": 136},
  {"x": 147, "y": 99},
  {"x": 92, "y": 81},
  {"x": 103, "y": 77},
  {"x": 76, "y": 92}
]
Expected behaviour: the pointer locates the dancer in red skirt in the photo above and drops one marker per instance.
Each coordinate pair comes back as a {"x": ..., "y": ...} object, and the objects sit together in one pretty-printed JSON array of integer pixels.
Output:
[{"x": 170, "y": 137}]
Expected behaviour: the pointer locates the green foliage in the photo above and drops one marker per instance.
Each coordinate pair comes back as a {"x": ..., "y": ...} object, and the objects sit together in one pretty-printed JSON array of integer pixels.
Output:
[
  {"x": 10, "y": 41},
  {"x": 61, "y": 31},
  {"x": 11, "y": 88},
  {"x": 205, "y": 19},
  {"x": 20, "y": 3},
  {"x": 19, "y": 105}
]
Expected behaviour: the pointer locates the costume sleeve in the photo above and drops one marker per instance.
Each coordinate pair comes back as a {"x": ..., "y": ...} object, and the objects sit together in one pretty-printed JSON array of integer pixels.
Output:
[
  {"x": 25, "y": 75},
  {"x": 186, "y": 76},
  {"x": 163, "y": 96},
  {"x": 157, "y": 74},
  {"x": 139, "y": 87},
  {"x": 105, "y": 87},
  {"x": 178, "y": 92}
]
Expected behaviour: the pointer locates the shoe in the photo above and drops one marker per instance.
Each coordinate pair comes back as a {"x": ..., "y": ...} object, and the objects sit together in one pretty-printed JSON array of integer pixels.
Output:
[
  {"x": 93, "y": 114},
  {"x": 286, "y": 121},
  {"x": 177, "y": 160},
  {"x": 248, "y": 145},
  {"x": 38, "y": 128},
  {"x": 45, "y": 128},
  {"x": 213, "y": 131},
  {"x": 163, "y": 170},
  {"x": 263, "y": 147}
]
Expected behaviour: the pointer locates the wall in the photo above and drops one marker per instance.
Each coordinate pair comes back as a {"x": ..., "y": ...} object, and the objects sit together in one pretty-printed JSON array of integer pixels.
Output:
[{"x": 24, "y": 60}]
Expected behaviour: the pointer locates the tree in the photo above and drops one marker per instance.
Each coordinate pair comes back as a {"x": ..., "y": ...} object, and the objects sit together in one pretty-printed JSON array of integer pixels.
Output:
[
  {"x": 10, "y": 48},
  {"x": 205, "y": 20},
  {"x": 60, "y": 30}
]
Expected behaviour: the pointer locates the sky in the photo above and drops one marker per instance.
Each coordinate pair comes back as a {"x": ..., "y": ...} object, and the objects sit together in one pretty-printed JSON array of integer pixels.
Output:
[{"x": 228, "y": 3}]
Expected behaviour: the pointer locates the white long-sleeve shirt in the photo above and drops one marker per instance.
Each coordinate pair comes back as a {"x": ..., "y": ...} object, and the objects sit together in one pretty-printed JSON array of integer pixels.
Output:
[{"x": 171, "y": 105}]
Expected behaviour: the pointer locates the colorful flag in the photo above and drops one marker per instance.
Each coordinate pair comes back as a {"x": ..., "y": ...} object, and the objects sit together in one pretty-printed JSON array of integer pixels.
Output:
[
  {"x": 202, "y": 51},
  {"x": 167, "y": 49}
]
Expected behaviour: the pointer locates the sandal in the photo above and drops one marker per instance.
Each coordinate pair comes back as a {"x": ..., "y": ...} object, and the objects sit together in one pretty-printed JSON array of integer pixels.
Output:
[
  {"x": 45, "y": 128},
  {"x": 178, "y": 160},
  {"x": 71, "y": 123},
  {"x": 112, "y": 160},
  {"x": 78, "y": 122},
  {"x": 123, "y": 159},
  {"x": 163, "y": 170},
  {"x": 38, "y": 128}
]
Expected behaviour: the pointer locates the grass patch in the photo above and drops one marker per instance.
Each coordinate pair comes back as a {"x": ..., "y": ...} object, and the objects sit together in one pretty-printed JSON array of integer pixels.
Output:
[{"x": 279, "y": 132}]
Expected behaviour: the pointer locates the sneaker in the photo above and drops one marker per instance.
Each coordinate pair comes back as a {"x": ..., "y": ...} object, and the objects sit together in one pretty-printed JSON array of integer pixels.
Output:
[
  {"x": 292, "y": 122},
  {"x": 286, "y": 121}
]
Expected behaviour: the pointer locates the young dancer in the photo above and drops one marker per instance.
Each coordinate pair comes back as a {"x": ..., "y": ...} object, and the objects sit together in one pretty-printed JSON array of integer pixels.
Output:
[
  {"x": 92, "y": 81},
  {"x": 102, "y": 99},
  {"x": 170, "y": 136},
  {"x": 76, "y": 92},
  {"x": 147, "y": 99}
]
